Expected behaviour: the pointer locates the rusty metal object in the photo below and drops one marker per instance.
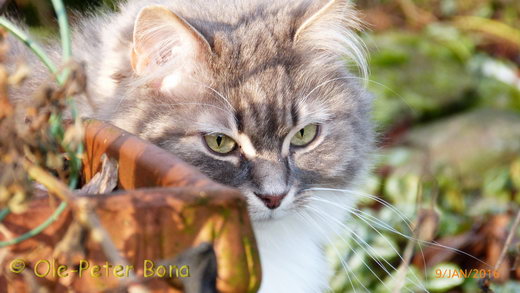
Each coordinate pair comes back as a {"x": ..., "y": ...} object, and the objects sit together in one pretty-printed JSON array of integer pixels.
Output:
[
  {"x": 182, "y": 210},
  {"x": 141, "y": 164}
]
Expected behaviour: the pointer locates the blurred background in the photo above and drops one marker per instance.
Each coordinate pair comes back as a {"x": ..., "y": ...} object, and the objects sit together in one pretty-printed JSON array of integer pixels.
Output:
[
  {"x": 446, "y": 78},
  {"x": 445, "y": 74}
]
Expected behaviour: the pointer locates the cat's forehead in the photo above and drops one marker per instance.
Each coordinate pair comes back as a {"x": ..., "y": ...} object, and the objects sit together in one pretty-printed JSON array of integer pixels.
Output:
[
  {"x": 261, "y": 39},
  {"x": 265, "y": 123},
  {"x": 268, "y": 105},
  {"x": 264, "y": 106},
  {"x": 274, "y": 92}
]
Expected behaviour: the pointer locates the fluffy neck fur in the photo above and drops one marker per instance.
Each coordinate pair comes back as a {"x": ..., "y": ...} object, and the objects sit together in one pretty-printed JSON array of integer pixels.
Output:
[{"x": 292, "y": 249}]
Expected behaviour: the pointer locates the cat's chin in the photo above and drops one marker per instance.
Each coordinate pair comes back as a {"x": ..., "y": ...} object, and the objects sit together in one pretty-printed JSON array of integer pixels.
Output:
[{"x": 269, "y": 215}]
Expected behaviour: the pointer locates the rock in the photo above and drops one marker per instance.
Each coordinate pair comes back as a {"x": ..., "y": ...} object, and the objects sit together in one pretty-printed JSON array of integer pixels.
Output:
[
  {"x": 432, "y": 78},
  {"x": 469, "y": 144}
]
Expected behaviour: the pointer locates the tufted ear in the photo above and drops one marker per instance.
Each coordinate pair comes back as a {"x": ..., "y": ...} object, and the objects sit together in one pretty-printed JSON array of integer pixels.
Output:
[
  {"x": 331, "y": 26},
  {"x": 325, "y": 11},
  {"x": 161, "y": 36}
]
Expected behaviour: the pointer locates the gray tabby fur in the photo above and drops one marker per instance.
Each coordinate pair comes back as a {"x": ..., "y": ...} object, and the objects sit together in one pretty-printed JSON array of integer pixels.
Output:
[{"x": 261, "y": 81}]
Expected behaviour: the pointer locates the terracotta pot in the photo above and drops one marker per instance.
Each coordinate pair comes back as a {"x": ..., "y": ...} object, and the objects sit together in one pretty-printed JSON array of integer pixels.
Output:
[{"x": 165, "y": 210}]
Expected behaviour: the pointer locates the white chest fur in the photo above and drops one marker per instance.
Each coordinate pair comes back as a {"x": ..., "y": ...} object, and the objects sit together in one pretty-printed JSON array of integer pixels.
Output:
[
  {"x": 292, "y": 249},
  {"x": 292, "y": 261}
]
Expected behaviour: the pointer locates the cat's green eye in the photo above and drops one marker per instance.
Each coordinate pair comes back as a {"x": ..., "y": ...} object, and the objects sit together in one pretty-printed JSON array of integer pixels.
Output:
[
  {"x": 305, "y": 135},
  {"x": 220, "y": 143}
]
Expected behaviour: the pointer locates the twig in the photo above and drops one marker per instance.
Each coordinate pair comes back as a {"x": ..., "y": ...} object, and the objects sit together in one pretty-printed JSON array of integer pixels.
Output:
[
  {"x": 427, "y": 221},
  {"x": 490, "y": 27},
  {"x": 485, "y": 283},
  {"x": 403, "y": 268},
  {"x": 408, "y": 253},
  {"x": 53, "y": 184},
  {"x": 4, "y": 231},
  {"x": 413, "y": 14},
  {"x": 100, "y": 235},
  {"x": 509, "y": 239},
  {"x": 86, "y": 216}
]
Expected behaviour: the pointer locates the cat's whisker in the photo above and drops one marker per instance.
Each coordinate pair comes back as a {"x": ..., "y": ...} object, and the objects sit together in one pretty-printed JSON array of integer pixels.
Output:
[
  {"x": 365, "y": 219},
  {"x": 172, "y": 106},
  {"x": 385, "y": 87},
  {"x": 329, "y": 240},
  {"x": 401, "y": 215},
  {"x": 355, "y": 211},
  {"x": 220, "y": 96},
  {"x": 370, "y": 252},
  {"x": 318, "y": 213},
  {"x": 430, "y": 243},
  {"x": 195, "y": 104},
  {"x": 215, "y": 92},
  {"x": 302, "y": 101},
  {"x": 405, "y": 219},
  {"x": 364, "y": 80},
  {"x": 342, "y": 261}
]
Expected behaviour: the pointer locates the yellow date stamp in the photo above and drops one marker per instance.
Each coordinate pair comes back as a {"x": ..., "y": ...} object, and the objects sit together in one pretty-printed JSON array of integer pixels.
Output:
[
  {"x": 51, "y": 268},
  {"x": 450, "y": 273}
]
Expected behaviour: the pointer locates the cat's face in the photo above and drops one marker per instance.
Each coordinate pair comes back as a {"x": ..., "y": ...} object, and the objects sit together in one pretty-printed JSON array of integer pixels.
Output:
[{"x": 258, "y": 110}]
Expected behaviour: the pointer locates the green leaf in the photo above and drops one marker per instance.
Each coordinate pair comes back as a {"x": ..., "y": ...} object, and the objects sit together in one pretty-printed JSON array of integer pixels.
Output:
[{"x": 515, "y": 173}]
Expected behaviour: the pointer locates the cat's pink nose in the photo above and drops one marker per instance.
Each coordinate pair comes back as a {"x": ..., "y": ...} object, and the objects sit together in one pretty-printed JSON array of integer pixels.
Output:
[{"x": 271, "y": 201}]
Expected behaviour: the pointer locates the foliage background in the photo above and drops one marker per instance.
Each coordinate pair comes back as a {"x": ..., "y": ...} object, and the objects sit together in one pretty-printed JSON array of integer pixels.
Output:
[{"x": 446, "y": 78}]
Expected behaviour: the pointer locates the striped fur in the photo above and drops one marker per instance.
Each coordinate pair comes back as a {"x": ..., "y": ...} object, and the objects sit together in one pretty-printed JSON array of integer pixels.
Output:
[{"x": 269, "y": 69}]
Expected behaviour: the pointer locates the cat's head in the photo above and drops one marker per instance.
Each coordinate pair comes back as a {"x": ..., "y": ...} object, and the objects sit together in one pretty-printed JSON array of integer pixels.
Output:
[{"x": 264, "y": 103}]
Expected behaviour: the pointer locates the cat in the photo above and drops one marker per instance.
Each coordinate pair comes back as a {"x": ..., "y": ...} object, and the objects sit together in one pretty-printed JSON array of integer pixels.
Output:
[{"x": 256, "y": 94}]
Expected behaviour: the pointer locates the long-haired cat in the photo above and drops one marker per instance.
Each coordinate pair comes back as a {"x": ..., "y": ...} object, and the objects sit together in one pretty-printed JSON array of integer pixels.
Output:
[{"x": 256, "y": 94}]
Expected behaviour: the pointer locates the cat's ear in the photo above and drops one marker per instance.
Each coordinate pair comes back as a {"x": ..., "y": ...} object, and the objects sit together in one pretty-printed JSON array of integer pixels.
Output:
[
  {"x": 324, "y": 12},
  {"x": 161, "y": 36},
  {"x": 331, "y": 26}
]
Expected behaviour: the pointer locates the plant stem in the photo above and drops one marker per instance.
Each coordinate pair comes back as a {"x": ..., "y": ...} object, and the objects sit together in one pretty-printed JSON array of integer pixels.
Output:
[
  {"x": 61, "y": 13},
  {"x": 31, "y": 44}
]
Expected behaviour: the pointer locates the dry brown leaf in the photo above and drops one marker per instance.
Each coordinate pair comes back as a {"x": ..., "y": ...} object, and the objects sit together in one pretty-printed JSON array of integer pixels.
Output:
[{"x": 104, "y": 181}]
